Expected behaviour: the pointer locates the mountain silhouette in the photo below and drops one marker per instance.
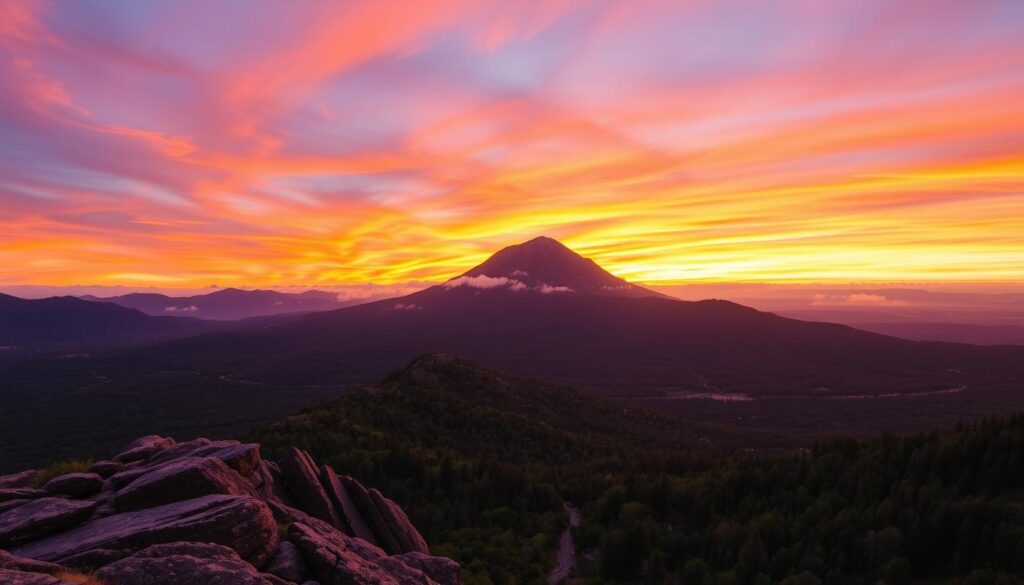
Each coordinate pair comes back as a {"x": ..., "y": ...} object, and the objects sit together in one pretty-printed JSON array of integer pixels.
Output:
[
  {"x": 562, "y": 323},
  {"x": 64, "y": 322},
  {"x": 626, "y": 345},
  {"x": 228, "y": 304},
  {"x": 547, "y": 266}
]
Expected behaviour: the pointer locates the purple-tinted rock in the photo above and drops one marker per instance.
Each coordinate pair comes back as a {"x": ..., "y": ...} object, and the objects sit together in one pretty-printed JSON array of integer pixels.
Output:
[
  {"x": 76, "y": 485},
  {"x": 243, "y": 458},
  {"x": 20, "y": 494},
  {"x": 183, "y": 479},
  {"x": 364, "y": 501},
  {"x": 14, "y": 577},
  {"x": 281, "y": 492},
  {"x": 105, "y": 468},
  {"x": 243, "y": 524},
  {"x": 443, "y": 570},
  {"x": 262, "y": 481},
  {"x": 40, "y": 518},
  {"x": 287, "y": 563},
  {"x": 143, "y": 448},
  {"x": 11, "y": 562},
  {"x": 405, "y": 534},
  {"x": 334, "y": 558},
  {"x": 96, "y": 557},
  {"x": 185, "y": 562},
  {"x": 301, "y": 477},
  {"x": 11, "y": 504},
  {"x": 355, "y": 524},
  {"x": 23, "y": 479}
]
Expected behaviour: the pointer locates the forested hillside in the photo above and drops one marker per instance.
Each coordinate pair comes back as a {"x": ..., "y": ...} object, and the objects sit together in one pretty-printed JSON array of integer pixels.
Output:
[
  {"x": 483, "y": 462},
  {"x": 892, "y": 510}
]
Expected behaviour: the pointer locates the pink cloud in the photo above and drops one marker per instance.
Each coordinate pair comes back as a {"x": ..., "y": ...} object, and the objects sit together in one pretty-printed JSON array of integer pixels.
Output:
[
  {"x": 857, "y": 299},
  {"x": 486, "y": 282}
]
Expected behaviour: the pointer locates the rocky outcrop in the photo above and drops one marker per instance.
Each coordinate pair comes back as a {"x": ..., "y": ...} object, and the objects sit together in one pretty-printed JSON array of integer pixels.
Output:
[
  {"x": 439, "y": 569},
  {"x": 191, "y": 477},
  {"x": 144, "y": 448},
  {"x": 185, "y": 562},
  {"x": 42, "y": 517},
  {"x": 287, "y": 563},
  {"x": 211, "y": 512},
  {"x": 244, "y": 524},
  {"x": 24, "y": 479},
  {"x": 76, "y": 485}
]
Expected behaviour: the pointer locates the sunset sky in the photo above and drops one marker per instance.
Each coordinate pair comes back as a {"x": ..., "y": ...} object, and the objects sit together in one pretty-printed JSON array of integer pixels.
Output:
[{"x": 261, "y": 143}]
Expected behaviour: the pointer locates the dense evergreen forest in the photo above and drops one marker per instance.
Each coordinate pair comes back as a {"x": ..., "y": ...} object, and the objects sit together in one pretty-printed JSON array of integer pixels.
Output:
[{"x": 484, "y": 461}]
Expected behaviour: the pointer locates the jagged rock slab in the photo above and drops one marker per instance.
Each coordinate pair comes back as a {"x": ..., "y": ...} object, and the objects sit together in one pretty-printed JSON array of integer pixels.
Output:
[
  {"x": 280, "y": 490},
  {"x": 397, "y": 523},
  {"x": 23, "y": 479},
  {"x": 368, "y": 508},
  {"x": 243, "y": 458},
  {"x": 143, "y": 448},
  {"x": 76, "y": 485},
  {"x": 191, "y": 477},
  {"x": 335, "y": 558},
  {"x": 241, "y": 523},
  {"x": 42, "y": 517},
  {"x": 13, "y": 577},
  {"x": 301, "y": 477},
  {"x": 443, "y": 570},
  {"x": 14, "y": 563},
  {"x": 180, "y": 563},
  {"x": 354, "y": 522},
  {"x": 20, "y": 494}
]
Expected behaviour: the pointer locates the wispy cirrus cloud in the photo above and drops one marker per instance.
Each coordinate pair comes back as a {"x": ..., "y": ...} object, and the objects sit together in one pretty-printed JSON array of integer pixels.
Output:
[{"x": 382, "y": 142}]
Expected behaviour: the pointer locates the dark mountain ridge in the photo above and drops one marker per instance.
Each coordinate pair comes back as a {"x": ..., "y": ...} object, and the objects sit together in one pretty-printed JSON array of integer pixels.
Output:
[
  {"x": 228, "y": 304},
  {"x": 639, "y": 346},
  {"x": 68, "y": 322},
  {"x": 546, "y": 265}
]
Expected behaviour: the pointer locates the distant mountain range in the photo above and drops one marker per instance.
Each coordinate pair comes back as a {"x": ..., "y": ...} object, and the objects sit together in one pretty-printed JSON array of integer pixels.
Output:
[
  {"x": 66, "y": 322},
  {"x": 541, "y": 310},
  {"x": 228, "y": 304},
  {"x": 536, "y": 309}
]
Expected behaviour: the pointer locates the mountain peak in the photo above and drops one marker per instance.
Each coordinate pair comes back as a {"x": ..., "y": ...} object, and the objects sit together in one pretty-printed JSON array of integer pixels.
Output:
[{"x": 546, "y": 265}]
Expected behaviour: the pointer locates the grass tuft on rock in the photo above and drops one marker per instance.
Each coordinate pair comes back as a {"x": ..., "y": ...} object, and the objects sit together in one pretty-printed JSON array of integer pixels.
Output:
[{"x": 60, "y": 468}]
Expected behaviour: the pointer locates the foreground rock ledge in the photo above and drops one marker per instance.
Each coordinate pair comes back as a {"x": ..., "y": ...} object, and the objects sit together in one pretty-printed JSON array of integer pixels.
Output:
[{"x": 212, "y": 512}]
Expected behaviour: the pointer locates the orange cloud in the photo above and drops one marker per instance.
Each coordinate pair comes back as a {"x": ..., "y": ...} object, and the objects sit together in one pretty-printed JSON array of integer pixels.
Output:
[{"x": 384, "y": 142}]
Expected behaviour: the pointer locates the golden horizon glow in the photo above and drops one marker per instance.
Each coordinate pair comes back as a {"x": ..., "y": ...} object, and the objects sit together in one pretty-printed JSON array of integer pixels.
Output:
[{"x": 671, "y": 142}]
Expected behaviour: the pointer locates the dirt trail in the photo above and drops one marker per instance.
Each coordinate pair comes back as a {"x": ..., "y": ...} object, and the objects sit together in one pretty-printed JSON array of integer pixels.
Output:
[{"x": 566, "y": 549}]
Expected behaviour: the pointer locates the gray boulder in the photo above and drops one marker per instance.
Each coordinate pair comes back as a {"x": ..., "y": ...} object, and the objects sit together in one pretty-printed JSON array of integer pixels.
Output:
[
  {"x": 23, "y": 479},
  {"x": 20, "y": 494},
  {"x": 334, "y": 558},
  {"x": 143, "y": 448},
  {"x": 182, "y": 479},
  {"x": 185, "y": 562},
  {"x": 42, "y": 517},
  {"x": 241, "y": 523},
  {"x": 105, "y": 468},
  {"x": 443, "y": 570},
  {"x": 14, "y": 577},
  {"x": 243, "y": 458},
  {"x": 287, "y": 563},
  {"x": 11, "y": 562},
  {"x": 76, "y": 485}
]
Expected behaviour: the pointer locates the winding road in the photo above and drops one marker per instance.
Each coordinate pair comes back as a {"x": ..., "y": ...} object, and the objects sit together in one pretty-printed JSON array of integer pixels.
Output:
[{"x": 566, "y": 549}]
